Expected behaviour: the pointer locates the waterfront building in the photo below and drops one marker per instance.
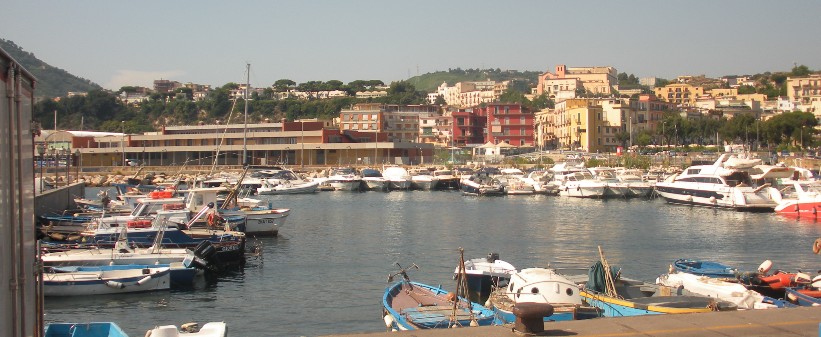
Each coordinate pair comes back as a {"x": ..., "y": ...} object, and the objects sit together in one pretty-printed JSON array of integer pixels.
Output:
[
  {"x": 509, "y": 123},
  {"x": 300, "y": 142},
  {"x": 436, "y": 129},
  {"x": 469, "y": 126},
  {"x": 596, "y": 80},
  {"x": 399, "y": 122},
  {"x": 679, "y": 93}
]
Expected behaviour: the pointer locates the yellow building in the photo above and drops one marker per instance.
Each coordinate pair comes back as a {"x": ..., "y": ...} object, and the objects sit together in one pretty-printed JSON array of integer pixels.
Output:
[
  {"x": 679, "y": 93},
  {"x": 592, "y": 125},
  {"x": 804, "y": 90}
]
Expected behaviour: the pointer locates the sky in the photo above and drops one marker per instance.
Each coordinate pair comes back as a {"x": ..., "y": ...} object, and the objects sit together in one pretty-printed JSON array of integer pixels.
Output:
[{"x": 133, "y": 43}]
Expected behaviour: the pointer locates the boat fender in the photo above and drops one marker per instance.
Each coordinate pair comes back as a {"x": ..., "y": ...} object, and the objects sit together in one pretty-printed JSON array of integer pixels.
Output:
[
  {"x": 451, "y": 297},
  {"x": 802, "y": 278},
  {"x": 388, "y": 321},
  {"x": 114, "y": 284},
  {"x": 816, "y": 246},
  {"x": 148, "y": 333},
  {"x": 792, "y": 297},
  {"x": 765, "y": 267},
  {"x": 488, "y": 303},
  {"x": 144, "y": 280}
]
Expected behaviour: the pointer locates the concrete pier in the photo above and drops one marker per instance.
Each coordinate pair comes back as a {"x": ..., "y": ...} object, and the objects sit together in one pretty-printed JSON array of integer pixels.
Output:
[{"x": 802, "y": 321}]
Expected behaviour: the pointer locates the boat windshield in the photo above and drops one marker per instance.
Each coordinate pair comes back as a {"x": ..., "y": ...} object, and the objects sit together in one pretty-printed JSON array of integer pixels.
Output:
[{"x": 371, "y": 173}]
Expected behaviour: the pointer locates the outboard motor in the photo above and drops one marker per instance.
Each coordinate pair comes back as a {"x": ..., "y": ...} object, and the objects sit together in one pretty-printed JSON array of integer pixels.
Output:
[
  {"x": 492, "y": 257},
  {"x": 205, "y": 250}
]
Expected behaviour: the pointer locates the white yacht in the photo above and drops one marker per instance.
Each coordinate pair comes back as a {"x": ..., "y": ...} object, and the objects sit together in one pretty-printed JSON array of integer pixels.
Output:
[
  {"x": 636, "y": 186},
  {"x": 615, "y": 188},
  {"x": 514, "y": 181},
  {"x": 422, "y": 179},
  {"x": 345, "y": 179},
  {"x": 445, "y": 180},
  {"x": 724, "y": 184},
  {"x": 284, "y": 181},
  {"x": 398, "y": 178},
  {"x": 373, "y": 179}
]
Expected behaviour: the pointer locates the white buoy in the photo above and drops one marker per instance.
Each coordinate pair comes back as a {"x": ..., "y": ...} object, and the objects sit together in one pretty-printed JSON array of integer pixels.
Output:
[
  {"x": 765, "y": 267},
  {"x": 816, "y": 282},
  {"x": 388, "y": 321}
]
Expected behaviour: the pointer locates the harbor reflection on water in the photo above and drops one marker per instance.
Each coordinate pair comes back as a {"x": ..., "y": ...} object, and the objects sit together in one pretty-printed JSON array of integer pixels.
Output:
[{"x": 328, "y": 268}]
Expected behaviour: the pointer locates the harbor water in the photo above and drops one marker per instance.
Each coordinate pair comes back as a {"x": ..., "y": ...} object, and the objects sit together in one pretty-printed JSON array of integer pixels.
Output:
[{"x": 326, "y": 271}]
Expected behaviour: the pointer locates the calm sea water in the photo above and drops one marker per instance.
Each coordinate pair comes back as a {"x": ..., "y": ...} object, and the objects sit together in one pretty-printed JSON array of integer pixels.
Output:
[{"x": 327, "y": 270}]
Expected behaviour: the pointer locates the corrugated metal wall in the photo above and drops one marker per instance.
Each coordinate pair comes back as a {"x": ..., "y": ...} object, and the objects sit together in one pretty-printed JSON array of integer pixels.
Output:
[{"x": 19, "y": 305}]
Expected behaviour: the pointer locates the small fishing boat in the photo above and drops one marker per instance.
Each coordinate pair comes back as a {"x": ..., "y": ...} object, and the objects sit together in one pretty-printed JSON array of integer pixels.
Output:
[
  {"x": 181, "y": 275},
  {"x": 800, "y": 201},
  {"x": 617, "y": 296},
  {"x": 716, "y": 288},
  {"x": 804, "y": 296},
  {"x": 211, "y": 329},
  {"x": 485, "y": 274},
  {"x": 704, "y": 268},
  {"x": 103, "y": 282},
  {"x": 544, "y": 286},
  {"x": 411, "y": 305},
  {"x": 94, "y": 329}
]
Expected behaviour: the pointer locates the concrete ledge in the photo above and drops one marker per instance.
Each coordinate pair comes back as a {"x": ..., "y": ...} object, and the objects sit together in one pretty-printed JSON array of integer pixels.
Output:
[{"x": 770, "y": 322}]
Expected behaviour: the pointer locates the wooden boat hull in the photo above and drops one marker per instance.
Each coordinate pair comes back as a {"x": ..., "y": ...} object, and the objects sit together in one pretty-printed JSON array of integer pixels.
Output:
[
  {"x": 412, "y": 305},
  {"x": 655, "y": 305}
]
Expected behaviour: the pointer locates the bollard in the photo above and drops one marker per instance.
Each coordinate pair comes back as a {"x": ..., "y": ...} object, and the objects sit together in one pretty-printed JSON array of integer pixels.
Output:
[{"x": 530, "y": 316}]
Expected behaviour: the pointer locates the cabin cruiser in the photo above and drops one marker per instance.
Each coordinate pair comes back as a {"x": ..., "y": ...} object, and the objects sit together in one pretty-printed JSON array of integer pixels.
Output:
[
  {"x": 540, "y": 180},
  {"x": 422, "y": 179},
  {"x": 615, "y": 188},
  {"x": 445, "y": 179},
  {"x": 481, "y": 183},
  {"x": 373, "y": 179},
  {"x": 285, "y": 182},
  {"x": 636, "y": 187},
  {"x": 514, "y": 181},
  {"x": 344, "y": 179},
  {"x": 581, "y": 184},
  {"x": 398, "y": 178},
  {"x": 724, "y": 184}
]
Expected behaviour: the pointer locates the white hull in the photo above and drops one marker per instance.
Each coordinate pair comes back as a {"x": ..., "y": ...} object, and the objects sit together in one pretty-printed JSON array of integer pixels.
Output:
[
  {"x": 264, "y": 222},
  {"x": 711, "y": 195},
  {"x": 106, "y": 282},
  {"x": 211, "y": 329},
  {"x": 716, "y": 288},
  {"x": 400, "y": 184},
  {"x": 348, "y": 185},
  {"x": 583, "y": 190},
  {"x": 376, "y": 185},
  {"x": 102, "y": 257},
  {"x": 306, "y": 188}
]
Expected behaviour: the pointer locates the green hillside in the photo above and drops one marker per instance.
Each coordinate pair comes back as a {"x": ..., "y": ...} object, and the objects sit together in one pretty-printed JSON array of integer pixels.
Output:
[
  {"x": 51, "y": 81},
  {"x": 430, "y": 81}
]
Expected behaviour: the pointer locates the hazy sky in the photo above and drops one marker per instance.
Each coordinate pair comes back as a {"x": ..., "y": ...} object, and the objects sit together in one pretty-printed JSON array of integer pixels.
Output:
[{"x": 116, "y": 43}]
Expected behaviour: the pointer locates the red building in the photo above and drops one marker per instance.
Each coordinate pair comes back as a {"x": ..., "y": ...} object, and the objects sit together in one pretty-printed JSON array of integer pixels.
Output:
[
  {"x": 509, "y": 123},
  {"x": 469, "y": 126}
]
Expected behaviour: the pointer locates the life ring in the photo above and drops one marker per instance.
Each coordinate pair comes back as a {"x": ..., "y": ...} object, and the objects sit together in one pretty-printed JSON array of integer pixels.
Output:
[
  {"x": 816, "y": 247},
  {"x": 212, "y": 219}
]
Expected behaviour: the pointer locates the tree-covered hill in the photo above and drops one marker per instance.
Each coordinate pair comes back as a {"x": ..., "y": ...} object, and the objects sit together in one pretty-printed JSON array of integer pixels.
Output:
[
  {"x": 51, "y": 81},
  {"x": 430, "y": 81}
]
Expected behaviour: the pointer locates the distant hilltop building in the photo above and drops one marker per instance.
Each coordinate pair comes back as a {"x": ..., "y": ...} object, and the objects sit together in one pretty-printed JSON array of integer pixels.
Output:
[
  {"x": 468, "y": 94},
  {"x": 568, "y": 80},
  {"x": 166, "y": 86}
]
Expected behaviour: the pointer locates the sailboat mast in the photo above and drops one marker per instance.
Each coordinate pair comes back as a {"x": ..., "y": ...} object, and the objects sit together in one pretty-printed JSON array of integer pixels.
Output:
[{"x": 245, "y": 128}]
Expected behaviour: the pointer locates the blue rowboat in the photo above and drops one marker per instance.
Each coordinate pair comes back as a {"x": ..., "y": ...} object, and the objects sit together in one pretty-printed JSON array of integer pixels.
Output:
[
  {"x": 704, "y": 268},
  {"x": 803, "y": 298},
  {"x": 411, "y": 305},
  {"x": 95, "y": 329}
]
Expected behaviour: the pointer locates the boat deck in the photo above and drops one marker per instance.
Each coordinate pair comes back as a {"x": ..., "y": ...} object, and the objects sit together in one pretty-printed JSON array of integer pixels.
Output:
[{"x": 802, "y": 321}]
